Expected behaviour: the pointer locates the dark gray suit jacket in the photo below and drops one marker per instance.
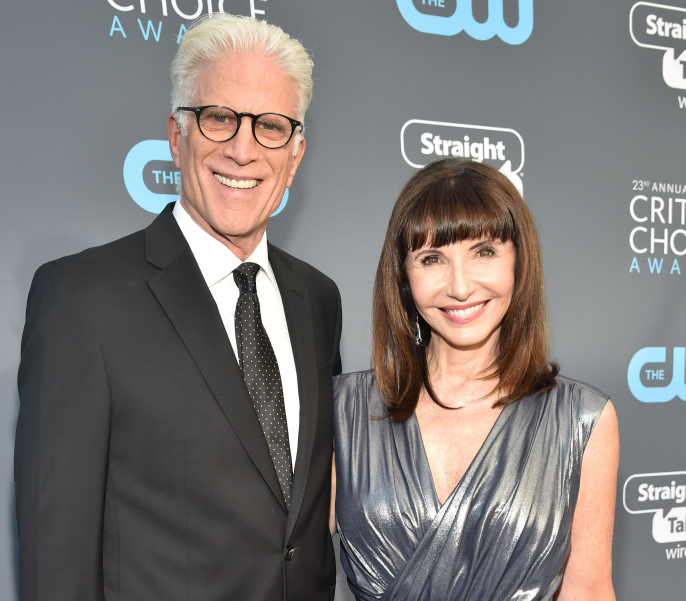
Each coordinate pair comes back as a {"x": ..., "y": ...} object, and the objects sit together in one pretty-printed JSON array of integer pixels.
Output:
[{"x": 141, "y": 470}]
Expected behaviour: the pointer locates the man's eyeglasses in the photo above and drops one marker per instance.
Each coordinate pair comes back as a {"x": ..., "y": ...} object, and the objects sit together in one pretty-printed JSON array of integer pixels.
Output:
[{"x": 220, "y": 124}]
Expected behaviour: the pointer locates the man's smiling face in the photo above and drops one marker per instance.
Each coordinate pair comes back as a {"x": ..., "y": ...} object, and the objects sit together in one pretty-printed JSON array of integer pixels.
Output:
[{"x": 231, "y": 188}]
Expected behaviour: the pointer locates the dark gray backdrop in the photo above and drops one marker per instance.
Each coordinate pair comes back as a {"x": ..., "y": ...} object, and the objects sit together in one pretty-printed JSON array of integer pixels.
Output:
[{"x": 593, "y": 109}]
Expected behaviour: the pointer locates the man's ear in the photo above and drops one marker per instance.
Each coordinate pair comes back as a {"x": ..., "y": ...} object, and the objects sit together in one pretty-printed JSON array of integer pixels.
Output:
[
  {"x": 174, "y": 135},
  {"x": 297, "y": 157}
]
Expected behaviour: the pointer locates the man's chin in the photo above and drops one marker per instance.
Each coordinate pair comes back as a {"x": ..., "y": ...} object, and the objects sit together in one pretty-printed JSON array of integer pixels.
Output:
[{"x": 239, "y": 229}]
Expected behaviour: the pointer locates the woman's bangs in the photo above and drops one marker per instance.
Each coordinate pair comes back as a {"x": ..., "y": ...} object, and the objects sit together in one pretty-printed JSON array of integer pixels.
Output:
[{"x": 448, "y": 213}]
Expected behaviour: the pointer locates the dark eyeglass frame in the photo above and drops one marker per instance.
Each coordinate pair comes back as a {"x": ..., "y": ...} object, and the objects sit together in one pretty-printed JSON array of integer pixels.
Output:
[{"x": 239, "y": 117}]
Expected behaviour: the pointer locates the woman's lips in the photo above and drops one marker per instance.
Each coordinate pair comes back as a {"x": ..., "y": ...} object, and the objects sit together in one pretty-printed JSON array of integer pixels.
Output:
[{"x": 466, "y": 314}]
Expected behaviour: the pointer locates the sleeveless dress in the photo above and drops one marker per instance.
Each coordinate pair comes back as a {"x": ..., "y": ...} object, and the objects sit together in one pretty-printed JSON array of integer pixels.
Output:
[{"x": 503, "y": 534}]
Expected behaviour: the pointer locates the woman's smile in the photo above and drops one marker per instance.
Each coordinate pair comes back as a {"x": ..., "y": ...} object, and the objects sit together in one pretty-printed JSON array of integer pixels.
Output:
[{"x": 464, "y": 314}]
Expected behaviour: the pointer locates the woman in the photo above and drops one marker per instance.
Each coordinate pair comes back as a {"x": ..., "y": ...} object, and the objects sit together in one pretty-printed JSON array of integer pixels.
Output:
[{"x": 459, "y": 456}]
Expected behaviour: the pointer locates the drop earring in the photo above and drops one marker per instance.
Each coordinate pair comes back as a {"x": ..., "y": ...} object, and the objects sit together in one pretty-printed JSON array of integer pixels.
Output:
[{"x": 418, "y": 333}]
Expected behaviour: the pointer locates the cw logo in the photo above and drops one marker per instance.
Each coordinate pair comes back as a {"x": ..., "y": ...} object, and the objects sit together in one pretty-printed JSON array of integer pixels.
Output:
[
  {"x": 150, "y": 187},
  {"x": 450, "y": 17},
  {"x": 657, "y": 394}
]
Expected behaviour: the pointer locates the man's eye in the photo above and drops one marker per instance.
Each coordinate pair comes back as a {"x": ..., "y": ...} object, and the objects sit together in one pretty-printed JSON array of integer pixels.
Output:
[
  {"x": 217, "y": 119},
  {"x": 271, "y": 126},
  {"x": 223, "y": 117}
]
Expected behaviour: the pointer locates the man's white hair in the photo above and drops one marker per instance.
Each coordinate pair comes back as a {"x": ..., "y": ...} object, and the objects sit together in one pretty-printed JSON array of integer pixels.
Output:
[{"x": 212, "y": 38}]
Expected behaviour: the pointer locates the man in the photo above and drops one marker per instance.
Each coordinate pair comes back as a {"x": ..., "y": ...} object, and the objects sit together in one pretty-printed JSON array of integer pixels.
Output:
[{"x": 174, "y": 438}]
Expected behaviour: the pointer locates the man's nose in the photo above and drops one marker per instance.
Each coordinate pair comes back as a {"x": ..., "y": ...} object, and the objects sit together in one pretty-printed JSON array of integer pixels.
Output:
[{"x": 242, "y": 148}]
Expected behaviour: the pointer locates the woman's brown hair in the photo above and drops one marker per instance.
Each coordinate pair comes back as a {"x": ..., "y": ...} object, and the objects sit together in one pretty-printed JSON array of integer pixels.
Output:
[{"x": 446, "y": 202}]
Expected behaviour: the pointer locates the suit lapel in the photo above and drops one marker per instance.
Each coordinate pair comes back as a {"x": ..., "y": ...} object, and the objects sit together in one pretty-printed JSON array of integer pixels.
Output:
[
  {"x": 184, "y": 296},
  {"x": 296, "y": 304}
]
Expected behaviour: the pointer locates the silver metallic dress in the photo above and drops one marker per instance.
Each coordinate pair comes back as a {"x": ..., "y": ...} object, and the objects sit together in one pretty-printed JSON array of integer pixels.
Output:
[{"x": 503, "y": 534}]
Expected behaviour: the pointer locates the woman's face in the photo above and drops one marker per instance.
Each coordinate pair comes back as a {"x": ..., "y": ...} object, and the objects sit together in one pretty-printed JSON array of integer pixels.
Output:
[{"x": 463, "y": 290}]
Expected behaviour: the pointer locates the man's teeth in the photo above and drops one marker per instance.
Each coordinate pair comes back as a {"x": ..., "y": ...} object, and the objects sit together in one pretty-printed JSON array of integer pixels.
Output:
[
  {"x": 464, "y": 312},
  {"x": 240, "y": 184}
]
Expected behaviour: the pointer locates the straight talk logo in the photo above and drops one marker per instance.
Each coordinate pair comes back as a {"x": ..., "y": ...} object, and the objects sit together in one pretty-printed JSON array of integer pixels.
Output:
[
  {"x": 663, "y": 27},
  {"x": 477, "y": 150},
  {"x": 664, "y": 495},
  {"x": 422, "y": 142}
]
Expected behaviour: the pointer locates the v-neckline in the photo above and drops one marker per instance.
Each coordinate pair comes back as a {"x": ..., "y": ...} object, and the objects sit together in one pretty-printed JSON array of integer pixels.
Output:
[{"x": 491, "y": 434}]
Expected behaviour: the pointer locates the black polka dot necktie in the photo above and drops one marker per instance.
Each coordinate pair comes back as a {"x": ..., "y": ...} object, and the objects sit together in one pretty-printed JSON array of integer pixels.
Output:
[{"x": 261, "y": 374}]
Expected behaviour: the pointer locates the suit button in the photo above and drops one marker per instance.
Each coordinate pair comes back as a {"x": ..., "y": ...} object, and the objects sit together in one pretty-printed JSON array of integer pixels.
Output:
[{"x": 290, "y": 551}]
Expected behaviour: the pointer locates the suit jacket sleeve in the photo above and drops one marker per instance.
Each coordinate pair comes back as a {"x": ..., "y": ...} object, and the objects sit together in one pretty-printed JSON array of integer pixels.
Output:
[{"x": 61, "y": 452}]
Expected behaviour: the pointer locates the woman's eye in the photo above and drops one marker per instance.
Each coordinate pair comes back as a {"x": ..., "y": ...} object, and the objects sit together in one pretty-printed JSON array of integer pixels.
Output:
[
  {"x": 430, "y": 260},
  {"x": 486, "y": 251}
]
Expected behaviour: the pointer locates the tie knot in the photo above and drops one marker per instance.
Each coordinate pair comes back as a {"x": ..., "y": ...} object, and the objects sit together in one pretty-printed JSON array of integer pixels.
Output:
[{"x": 245, "y": 276}]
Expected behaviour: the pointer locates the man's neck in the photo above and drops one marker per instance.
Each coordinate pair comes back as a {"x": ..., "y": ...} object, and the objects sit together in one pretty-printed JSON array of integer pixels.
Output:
[{"x": 242, "y": 246}]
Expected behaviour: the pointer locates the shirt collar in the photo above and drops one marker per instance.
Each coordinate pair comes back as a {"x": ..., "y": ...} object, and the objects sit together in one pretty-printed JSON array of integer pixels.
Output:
[{"x": 216, "y": 261}]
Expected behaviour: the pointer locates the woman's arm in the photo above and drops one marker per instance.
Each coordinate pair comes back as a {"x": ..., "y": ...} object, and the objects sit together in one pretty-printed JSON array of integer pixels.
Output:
[
  {"x": 588, "y": 573},
  {"x": 332, "y": 506}
]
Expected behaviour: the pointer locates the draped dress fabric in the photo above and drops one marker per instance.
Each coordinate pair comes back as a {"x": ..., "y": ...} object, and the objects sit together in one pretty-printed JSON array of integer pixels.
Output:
[{"x": 503, "y": 534}]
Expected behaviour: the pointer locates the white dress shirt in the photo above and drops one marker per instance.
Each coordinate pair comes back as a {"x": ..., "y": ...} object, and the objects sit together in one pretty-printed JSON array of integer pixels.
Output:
[{"x": 217, "y": 263}]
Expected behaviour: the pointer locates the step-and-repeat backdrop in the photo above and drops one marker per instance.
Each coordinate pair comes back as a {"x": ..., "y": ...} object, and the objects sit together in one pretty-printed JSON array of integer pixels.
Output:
[{"x": 582, "y": 104}]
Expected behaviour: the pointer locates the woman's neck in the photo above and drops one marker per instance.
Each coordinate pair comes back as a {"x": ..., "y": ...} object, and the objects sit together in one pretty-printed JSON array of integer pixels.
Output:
[{"x": 457, "y": 375}]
